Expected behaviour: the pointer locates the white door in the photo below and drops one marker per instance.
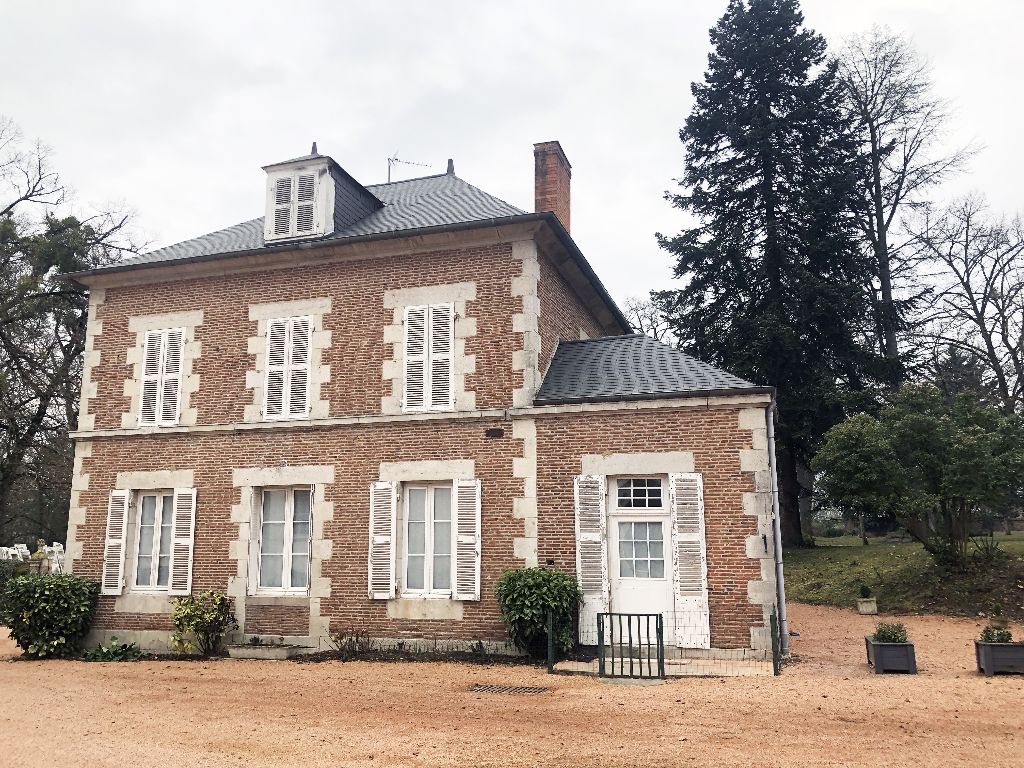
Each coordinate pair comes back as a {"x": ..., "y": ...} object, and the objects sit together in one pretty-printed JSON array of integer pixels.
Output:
[{"x": 639, "y": 554}]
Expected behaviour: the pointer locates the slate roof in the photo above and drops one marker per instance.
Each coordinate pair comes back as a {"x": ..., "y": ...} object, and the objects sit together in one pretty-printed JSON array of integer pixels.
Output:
[
  {"x": 633, "y": 367},
  {"x": 412, "y": 204}
]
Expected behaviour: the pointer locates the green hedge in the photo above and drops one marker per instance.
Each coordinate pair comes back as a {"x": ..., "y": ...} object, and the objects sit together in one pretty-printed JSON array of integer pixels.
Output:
[
  {"x": 48, "y": 615},
  {"x": 527, "y": 595}
]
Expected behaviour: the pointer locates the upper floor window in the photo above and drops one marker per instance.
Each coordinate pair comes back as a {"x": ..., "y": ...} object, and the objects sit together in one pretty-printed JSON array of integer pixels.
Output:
[
  {"x": 429, "y": 340},
  {"x": 161, "y": 377},
  {"x": 287, "y": 382},
  {"x": 292, "y": 207}
]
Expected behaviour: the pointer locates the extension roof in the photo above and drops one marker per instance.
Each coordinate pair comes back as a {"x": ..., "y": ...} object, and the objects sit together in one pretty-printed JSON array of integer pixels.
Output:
[{"x": 633, "y": 367}]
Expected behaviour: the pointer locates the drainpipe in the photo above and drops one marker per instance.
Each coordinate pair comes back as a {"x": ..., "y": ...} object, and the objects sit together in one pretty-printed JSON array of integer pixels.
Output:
[{"x": 780, "y": 581}]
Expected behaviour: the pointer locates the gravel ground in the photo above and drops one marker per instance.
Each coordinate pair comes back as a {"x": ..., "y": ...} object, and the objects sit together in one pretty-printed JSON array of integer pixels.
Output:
[{"x": 826, "y": 709}]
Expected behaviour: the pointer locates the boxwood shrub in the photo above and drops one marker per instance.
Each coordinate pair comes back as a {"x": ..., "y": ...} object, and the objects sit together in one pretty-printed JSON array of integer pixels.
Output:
[
  {"x": 49, "y": 614},
  {"x": 890, "y": 633},
  {"x": 526, "y": 595}
]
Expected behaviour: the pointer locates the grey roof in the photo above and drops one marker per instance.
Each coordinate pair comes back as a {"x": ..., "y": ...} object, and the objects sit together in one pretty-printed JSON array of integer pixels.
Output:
[
  {"x": 633, "y": 367},
  {"x": 425, "y": 202}
]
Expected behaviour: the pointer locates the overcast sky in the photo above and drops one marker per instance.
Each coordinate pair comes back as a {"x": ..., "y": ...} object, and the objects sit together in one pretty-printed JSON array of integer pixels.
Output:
[{"x": 172, "y": 108}]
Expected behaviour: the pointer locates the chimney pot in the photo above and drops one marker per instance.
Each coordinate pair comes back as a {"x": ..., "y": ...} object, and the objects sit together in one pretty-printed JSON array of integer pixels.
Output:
[{"x": 552, "y": 174}]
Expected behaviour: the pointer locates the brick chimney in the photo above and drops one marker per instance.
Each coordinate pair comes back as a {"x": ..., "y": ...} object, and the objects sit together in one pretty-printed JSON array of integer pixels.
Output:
[{"x": 551, "y": 180}]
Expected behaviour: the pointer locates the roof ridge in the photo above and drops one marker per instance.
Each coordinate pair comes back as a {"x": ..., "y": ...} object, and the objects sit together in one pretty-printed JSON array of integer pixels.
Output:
[
  {"x": 606, "y": 338},
  {"x": 415, "y": 178}
]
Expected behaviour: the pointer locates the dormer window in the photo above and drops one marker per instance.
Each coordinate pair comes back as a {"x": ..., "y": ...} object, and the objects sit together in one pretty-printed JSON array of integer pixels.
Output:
[{"x": 294, "y": 207}]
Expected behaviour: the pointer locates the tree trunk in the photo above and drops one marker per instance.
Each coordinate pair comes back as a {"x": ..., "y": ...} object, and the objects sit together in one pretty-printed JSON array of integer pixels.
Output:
[
  {"x": 789, "y": 496},
  {"x": 860, "y": 526}
]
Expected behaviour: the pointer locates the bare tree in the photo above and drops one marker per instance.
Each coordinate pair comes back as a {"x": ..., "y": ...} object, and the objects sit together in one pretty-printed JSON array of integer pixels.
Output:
[
  {"x": 978, "y": 264},
  {"x": 645, "y": 317},
  {"x": 42, "y": 332},
  {"x": 901, "y": 126}
]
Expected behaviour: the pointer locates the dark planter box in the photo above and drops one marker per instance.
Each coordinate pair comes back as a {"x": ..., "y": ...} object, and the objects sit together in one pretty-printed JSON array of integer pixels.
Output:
[
  {"x": 999, "y": 657},
  {"x": 891, "y": 657}
]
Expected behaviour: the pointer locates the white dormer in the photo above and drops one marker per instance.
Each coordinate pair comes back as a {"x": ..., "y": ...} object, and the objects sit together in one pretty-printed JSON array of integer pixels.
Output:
[
  {"x": 300, "y": 199},
  {"x": 312, "y": 196}
]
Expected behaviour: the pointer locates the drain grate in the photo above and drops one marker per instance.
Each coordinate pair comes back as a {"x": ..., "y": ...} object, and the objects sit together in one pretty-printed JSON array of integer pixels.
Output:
[{"x": 478, "y": 688}]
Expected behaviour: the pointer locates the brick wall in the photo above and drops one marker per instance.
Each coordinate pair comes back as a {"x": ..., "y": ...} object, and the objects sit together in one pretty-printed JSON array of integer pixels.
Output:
[
  {"x": 715, "y": 439},
  {"x": 356, "y": 321},
  {"x": 562, "y": 313}
]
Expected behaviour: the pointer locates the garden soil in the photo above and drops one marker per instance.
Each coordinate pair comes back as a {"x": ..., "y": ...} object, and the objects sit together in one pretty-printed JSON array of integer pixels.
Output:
[{"x": 826, "y": 709}]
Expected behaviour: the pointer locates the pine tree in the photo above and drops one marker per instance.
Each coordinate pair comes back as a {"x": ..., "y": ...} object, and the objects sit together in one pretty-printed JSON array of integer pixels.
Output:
[{"x": 773, "y": 277}]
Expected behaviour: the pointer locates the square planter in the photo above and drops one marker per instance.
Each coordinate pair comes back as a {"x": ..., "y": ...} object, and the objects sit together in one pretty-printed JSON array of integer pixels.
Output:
[
  {"x": 867, "y": 606},
  {"x": 999, "y": 657},
  {"x": 891, "y": 657},
  {"x": 265, "y": 652}
]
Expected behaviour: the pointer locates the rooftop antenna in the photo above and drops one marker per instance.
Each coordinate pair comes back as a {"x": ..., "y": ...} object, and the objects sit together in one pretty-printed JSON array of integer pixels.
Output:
[{"x": 394, "y": 160}]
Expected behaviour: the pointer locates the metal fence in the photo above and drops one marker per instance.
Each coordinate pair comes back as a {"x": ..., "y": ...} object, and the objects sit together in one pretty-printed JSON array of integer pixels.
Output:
[{"x": 631, "y": 645}]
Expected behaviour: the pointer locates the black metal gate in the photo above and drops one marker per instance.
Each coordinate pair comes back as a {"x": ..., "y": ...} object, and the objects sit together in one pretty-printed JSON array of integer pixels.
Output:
[{"x": 631, "y": 645}]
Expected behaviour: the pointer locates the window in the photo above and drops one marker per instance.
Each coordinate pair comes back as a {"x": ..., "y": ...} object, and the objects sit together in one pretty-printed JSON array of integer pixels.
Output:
[
  {"x": 429, "y": 534},
  {"x": 153, "y": 536},
  {"x": 293, "y": 203},
  {"x": 429, "y": 340},
  {"x": 641, "y": 550},
  {"x": 639, "y": 493},
  {"x": 285, "y": 529},
  {"x": 161, "y": 377},
  {"x": 287, "y": 385}
]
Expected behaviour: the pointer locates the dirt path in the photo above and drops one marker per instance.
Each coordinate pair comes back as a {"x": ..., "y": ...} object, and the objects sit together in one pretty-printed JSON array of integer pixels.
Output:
[{"x": 825, "y": 710}]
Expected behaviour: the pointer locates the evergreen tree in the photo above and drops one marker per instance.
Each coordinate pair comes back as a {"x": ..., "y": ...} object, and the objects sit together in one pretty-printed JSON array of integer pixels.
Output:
[{"x": 773, "y": 275}]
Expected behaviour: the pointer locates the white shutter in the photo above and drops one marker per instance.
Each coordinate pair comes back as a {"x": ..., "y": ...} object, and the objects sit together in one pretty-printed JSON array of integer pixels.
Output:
[
  {"x": 298, "y": 366},
  {"x": 591, "y": 549},
  {"x": 170, "y": 385},
  {"x": 441, "y": 343},
  {"x": 282, "y": 205},
  {"x": 689, "y": 555},
  {"x": 466, "y": 585},
  {"x": 415, "y": 358},
  {"x": 277, "y": 349},
  {"x": 149, "y": 405},
  {"x": 305, "y": 218},
  {"x": 183, "y": 528},
  {"x": 114, "y": 544},
  {"x": 381, "y": 562}
]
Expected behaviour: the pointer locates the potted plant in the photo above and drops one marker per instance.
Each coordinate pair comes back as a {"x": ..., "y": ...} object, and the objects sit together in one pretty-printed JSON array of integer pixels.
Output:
[
  {"x": 889, "y": 650},
  {"x": 996, "y": 619},
  {"x": 995, "y": 651},
  {"x": 866, "y": 603}
]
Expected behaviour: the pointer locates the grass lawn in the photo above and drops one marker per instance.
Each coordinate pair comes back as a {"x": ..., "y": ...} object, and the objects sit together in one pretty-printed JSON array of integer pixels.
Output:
[{"x": 904, "y": 578}]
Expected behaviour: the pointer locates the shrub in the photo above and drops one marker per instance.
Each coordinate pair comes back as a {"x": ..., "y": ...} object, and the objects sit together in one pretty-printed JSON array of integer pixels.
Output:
[
  {"x": 113, "y": 651},
  {"x": 890, "y": 633},
  {"x": 996, "y": 635},
  {"x": 9, "y": 569},
  {"x": 865, "y": 591},
  {"x": 201, "y": 621},
  {"x": 527, "y": 594},
  {"x": 50, "y": 614}
]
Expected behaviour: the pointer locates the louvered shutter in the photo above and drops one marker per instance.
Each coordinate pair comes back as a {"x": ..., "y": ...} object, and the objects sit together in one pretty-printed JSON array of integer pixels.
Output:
[
  {"x": 689, "y": 554},
  {"x": 170, "y": 384},
  {"x": 441, "y": 343},
  {"x": 283, "y": 205},
  {"x": 114, "y": 544},
  {"x": 415, "y": 357},
  {"x": 149, "y": 407},
  {"x": 305, "y": 219},
  {"x": 591, "y": 550},
  {"x": 277, "y": 343},
  {"x": 467, "y": 540},
  {"x": 381, "y": 562},
  {"x": 183, "y": 528},
  {"x": 298, "y": 366}
]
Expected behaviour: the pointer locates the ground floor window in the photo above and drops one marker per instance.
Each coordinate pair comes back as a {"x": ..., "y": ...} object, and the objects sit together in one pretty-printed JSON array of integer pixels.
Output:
[
  {"x": 428, "y": 539},
  {"x": 153, "y": 537},
  {"x": 284, "y": 542}
]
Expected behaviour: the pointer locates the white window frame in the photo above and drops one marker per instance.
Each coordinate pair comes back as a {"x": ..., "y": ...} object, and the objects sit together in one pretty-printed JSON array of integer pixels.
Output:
[
  {"x": 288, "y": 368},
  {"x": 286, "y": 559},
  {"x": 428, "y": 358},
  {"x": 136, "y": 507},
  {"x": 613, "y": 494},
  {"x": 428, "y": 546},
  {"x": 161, "y": 378}
]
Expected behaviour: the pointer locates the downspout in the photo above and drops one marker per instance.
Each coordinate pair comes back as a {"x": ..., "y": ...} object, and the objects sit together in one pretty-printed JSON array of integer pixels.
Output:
[{"x": 780, "y": 581}]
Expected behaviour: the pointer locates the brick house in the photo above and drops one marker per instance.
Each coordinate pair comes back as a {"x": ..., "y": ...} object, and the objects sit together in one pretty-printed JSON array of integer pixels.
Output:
[{"x": 358, "y": 411}]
